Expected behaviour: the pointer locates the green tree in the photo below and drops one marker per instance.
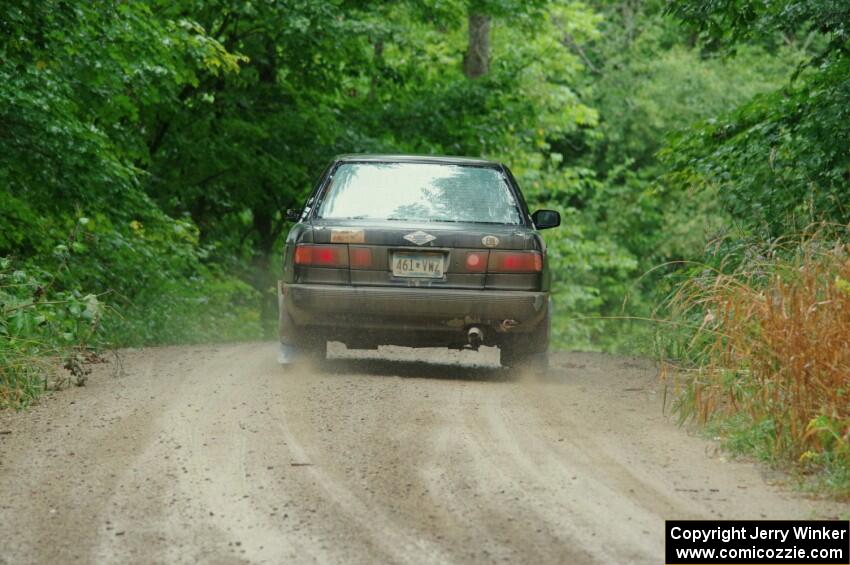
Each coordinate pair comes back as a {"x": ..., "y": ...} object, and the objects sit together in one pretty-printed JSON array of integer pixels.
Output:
[{"x": 780, "y": 161}]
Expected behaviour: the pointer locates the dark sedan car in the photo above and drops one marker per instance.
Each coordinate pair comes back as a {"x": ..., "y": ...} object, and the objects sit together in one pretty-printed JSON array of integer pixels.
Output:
[{"x": 416, "y": 251}]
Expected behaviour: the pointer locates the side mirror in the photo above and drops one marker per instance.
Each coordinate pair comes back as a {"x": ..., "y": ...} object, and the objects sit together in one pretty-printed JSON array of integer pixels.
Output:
[
  {"x": 545, "y": 219},
  {"x": 293, "y": 215}
]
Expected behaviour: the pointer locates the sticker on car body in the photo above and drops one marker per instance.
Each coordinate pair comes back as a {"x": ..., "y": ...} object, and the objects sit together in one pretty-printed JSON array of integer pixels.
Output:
[{"x": 348, "y": 236}]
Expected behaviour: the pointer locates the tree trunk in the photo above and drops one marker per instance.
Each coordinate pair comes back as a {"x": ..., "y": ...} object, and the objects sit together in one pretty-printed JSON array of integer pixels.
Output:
[
  {"x": 476, "y": 62},
  {"x": 265, "y": 226},
  {"x": 378, "y": 53},
  {"x": 263, "y": 275}
]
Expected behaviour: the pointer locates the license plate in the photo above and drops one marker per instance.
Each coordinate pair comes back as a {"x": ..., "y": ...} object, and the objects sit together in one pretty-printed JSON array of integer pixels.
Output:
[{"x": 422, "y": 265}]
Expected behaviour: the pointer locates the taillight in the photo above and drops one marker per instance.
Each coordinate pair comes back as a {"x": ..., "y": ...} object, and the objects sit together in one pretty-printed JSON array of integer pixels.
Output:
[
  {"x": 515, "y": 262},
  {"x": 476, "y": 261},
  {"x": 321, "y": 255},
  {"x": 360, "y": 257}
]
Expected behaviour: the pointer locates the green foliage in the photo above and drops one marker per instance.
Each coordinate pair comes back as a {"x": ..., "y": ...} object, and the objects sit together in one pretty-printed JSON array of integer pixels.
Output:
[
  {"x": 76, "y": 79},
  {"x": 781, "y": 160},
  {"x": 37, "y": 322},
  {"x": 160, "y": 287},
  {"x": 729, "y": 22},
  {"x": 646, "y": 80},
  {"x": 76, "y": 83}
]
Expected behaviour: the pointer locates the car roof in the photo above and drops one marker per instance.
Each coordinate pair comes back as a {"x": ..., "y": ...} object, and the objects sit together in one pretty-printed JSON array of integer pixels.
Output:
[{"x": 443, "y": 159}]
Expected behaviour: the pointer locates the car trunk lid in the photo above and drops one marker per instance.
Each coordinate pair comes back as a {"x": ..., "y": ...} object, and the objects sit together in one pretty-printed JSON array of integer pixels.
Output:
[{"x": 429, "y": 254}]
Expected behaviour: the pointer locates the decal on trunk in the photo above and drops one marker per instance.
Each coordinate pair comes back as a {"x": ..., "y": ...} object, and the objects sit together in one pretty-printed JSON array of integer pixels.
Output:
[
  {"x": 419, "y": 237},
  {"x": 348, "y": 236},
  {"x": 490, "y": 240}
]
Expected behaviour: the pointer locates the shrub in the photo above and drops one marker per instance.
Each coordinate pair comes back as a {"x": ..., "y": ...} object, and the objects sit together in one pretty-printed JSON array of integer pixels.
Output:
[
  {"x": 771, "y": 358},
  {"x": 40, "y": 330}
]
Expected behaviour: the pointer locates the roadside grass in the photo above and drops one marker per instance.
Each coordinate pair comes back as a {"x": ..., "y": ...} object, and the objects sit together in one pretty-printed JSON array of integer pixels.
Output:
[
  {"x": 50, "y": 337},
  {"x": 20, "y": 381},
  {"x": 46, "y": 336},
  {"x": 768, "y": 368},
  {"x": 25, "y": 375}
]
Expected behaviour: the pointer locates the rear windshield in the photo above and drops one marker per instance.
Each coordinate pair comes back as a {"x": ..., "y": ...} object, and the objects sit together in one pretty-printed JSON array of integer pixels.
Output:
[{"x": 420, "y": 191}]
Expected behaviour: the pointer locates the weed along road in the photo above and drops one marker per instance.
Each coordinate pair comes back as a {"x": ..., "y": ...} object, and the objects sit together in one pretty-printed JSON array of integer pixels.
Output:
[{"x": 216, "y": 454}]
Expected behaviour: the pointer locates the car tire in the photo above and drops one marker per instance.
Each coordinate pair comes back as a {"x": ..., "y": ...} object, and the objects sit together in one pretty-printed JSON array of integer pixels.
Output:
[
  {"x": 311, "y": 351},
  {"x": 528, "y": 351},
  {"x": 518, "y": 360},
  {"x": 297, "y": 345},
  {"x": 313, "y": 347}
]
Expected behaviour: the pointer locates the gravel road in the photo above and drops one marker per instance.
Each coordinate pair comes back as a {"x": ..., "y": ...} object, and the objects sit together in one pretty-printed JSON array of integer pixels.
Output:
[{"x": 216, "y": 454}]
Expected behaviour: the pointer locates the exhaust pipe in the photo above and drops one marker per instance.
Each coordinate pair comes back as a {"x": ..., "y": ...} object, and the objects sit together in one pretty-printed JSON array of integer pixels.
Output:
[{"x": 475, "y": 337}]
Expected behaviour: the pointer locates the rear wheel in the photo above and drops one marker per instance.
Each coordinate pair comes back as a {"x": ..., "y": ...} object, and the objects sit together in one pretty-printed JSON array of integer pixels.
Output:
[
  {"x": 528, "y": 351},
  {"x": 312, "y": 350},
  {"x": 298, "y": 345},
  {"x": 313, "y": 347},
  {"x": 517, "y": 360}
]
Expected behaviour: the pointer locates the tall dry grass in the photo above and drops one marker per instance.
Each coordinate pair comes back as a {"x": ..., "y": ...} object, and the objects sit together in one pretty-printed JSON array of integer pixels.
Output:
[{"x": 773, "y": 349}]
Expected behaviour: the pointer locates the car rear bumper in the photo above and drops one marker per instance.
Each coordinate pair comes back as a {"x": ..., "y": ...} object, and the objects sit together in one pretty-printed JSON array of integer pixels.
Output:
[{"x": 412, "y": 309}]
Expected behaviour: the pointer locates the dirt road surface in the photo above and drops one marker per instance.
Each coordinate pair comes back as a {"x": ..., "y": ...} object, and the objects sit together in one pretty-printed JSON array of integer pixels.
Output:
[{"x": 218, "y": 455}]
